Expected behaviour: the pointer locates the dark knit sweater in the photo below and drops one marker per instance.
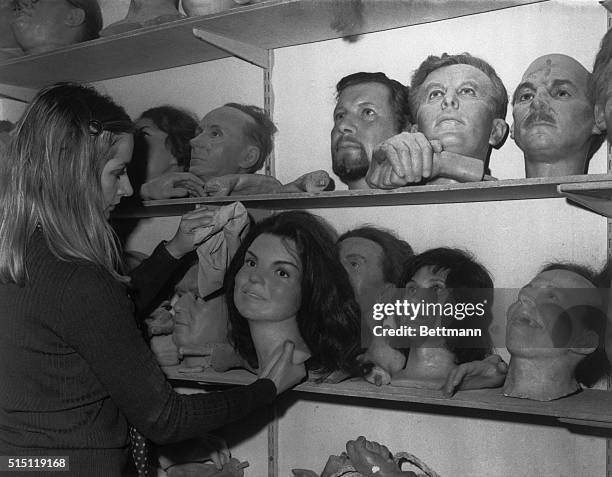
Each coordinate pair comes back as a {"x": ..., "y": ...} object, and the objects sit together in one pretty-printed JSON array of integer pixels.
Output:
[{"x": 75, "y": 369}]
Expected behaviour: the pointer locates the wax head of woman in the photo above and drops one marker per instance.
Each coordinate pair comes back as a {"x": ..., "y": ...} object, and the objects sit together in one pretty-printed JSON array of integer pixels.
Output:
[
  {"x": 456, "y": 295},
  {"x": 286, "y": 283},
  {"x": 162, "y": 142},
  {"x": 64, "y": 172}
]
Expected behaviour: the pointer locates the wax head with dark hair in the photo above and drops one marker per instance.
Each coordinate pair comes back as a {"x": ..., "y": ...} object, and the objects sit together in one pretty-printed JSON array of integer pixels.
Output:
[
  {"x": 179, "y": 125},
  {"x": 396, "y": 252},
  {"x": 596, "y": 365},
  {"x": 469, "y": 282},
  {"x": 398, "y": 94},
  {"x": 370, "y": 108},
  {"x": 260, "y": 132},
  {"x": 162, "y": 143},
  {"x": 52, "y": 177},
  {"x": 328, "y": 316}
]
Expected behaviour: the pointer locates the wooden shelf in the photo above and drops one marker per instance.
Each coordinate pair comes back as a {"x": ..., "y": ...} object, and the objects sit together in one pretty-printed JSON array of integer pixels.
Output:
[
  {"x": 588, "y": 408},
  {"x": 267, "y": 25},
  {"x": 595, "y": 196},
  {"x": 511, "y": 189}
]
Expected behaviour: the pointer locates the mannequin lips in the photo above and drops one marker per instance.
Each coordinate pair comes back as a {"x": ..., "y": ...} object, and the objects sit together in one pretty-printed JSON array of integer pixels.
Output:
[
  {"x": 348, "y": 144},
  {"x": 448, "y": 121},
  {"x": 251, "y": 294},
  {"x": 524, "y": 319}
]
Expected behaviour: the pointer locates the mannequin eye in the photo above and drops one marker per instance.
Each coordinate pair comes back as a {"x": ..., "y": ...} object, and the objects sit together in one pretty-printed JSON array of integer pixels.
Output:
[
  {"x": 466, "y": 90},
  {"x": 525, "y": 97},
  {"x": 436, "y": 93}
]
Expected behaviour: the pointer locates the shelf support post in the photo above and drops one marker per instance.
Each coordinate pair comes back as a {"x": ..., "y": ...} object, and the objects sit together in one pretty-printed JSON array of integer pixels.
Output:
[{"x": 250, "y": 53}]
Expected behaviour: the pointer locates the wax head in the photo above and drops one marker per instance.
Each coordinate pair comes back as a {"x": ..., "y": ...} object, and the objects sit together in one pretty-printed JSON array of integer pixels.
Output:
[
  {"x": 464, "y": 103},
  {"x": 154, "y": 145},
  {"x": 268, "y": 285},
  {"x": 363, "y": 261},
  {"x": 602, "y": 85},
  {"x": 45, "y": 25},
  {"x": 455, "y": 108},
  {"x": 197, "y": 322},
  {"x": 545, "y": 320},
  {"x": 370, "y": 108},
  {"x": 232, "y": 139},
  {"x": 363, "y": 118},
  {"x": 7, "y": 38},
  {"x": 554, "y": 117}
]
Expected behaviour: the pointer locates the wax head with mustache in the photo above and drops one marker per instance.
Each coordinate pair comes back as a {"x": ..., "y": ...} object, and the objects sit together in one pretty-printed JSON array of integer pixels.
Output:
[{"x": 554, "y": 122}]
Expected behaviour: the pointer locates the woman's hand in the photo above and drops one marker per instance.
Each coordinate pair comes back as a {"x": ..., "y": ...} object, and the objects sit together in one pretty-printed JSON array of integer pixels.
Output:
[
  {"x": 182, "y": 242},
  {"x": 282, "y": 371}
]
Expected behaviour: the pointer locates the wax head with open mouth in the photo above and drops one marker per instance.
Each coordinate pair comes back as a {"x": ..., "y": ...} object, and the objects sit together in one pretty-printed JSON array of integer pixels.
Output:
[{"x": 555, "y": 324}]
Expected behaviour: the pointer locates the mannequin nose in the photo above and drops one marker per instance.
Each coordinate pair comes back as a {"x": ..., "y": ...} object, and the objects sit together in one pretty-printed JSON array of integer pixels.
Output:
[
  {"x": 526, "y": 299},
  {"x": 540, "y": 100},
  {"x": 346, "y": 124},
  {"x": 255, "y": 277},
  {"x": 450, "y": 100}
]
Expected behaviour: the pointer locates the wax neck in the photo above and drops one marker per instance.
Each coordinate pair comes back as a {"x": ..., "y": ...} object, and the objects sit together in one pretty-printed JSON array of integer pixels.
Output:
[
  {"x": 269, "y": 336},
  {"x": 432, "y": 362},
  {"x": 541, "y": 379},
  {"x": 544, "y": 166},
  {"x": 358, "y": 184}
]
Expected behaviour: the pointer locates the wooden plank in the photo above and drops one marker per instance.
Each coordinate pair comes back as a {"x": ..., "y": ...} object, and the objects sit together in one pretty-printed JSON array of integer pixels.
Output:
[
  {"x": 270, "y": 24},
  {"x": 511, "y": 189},
  {"x": 588, "y": 408},
  {"x": 594, "y": 196}
]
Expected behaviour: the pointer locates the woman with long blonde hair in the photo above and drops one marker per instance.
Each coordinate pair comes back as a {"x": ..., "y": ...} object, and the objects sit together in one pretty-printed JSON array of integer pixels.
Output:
[{"x": 74, "y": 366}]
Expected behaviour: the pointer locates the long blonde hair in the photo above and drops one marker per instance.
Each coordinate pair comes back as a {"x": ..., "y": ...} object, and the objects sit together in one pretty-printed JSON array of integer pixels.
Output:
[{"x": 51, "y": 176}]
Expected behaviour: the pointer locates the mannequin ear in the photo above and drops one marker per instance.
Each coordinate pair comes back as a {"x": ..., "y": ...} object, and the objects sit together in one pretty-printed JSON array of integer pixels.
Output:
[
  {"x": 600, "y": 119},
  {"x": 586, "y": 343},
  {"x": 250, "y": 158},
  {"x": 414, "y": 128},
  {"x": 499, "y": 132},
  {"x": 75, "y": 17}
]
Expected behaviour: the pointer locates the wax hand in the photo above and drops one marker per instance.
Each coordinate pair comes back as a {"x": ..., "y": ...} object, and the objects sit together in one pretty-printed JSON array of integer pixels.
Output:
[
  {"x": 173, "y": 184},
  {"x": 409, "y": 158},
  {"x": 488, "y": 373},
  {"x": 315, "y": 181},
  {"x": 282, "y": 370},
  {"x": 372, "y": 459},
  {"x": 406, "y": 158},
  {"x": 242, "y": 184},
  {"x": 183, "y": 242}
]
